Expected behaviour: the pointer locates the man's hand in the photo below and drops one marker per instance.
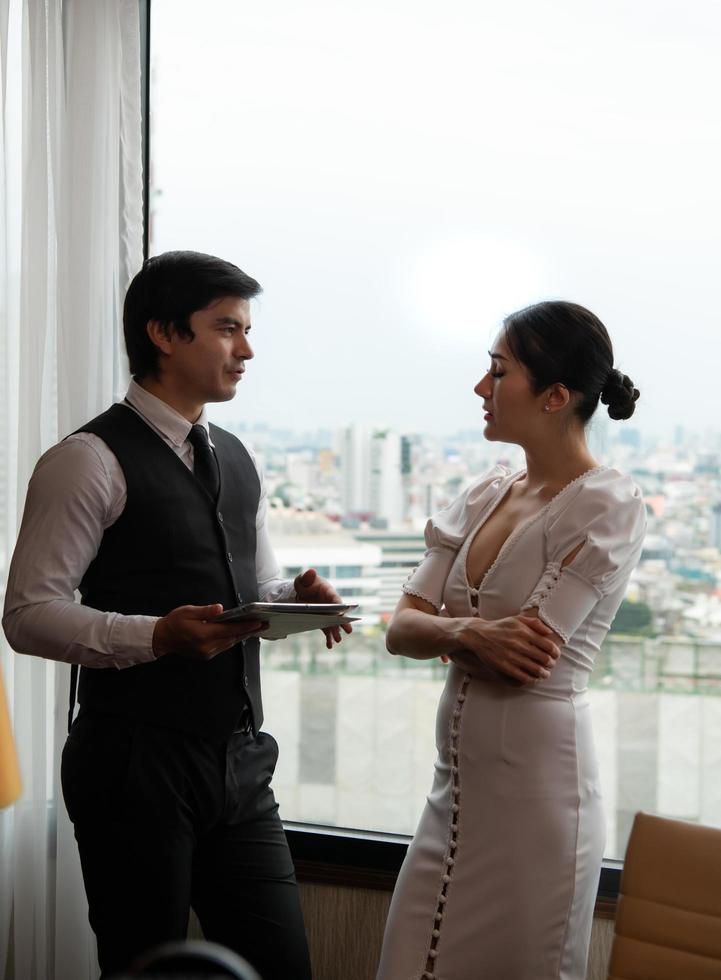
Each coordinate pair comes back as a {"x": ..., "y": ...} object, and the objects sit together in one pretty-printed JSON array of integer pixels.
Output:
[
  {"x": 519, "y": 647},
  {"x": 186, "y": 632},
  {"x": 310, "y": 587}
]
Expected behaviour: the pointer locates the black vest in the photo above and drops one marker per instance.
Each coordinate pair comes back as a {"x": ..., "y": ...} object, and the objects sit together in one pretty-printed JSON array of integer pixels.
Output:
[{"x": 173, "y": 546}]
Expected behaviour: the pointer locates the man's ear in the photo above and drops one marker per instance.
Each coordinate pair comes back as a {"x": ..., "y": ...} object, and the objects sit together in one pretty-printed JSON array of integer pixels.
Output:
[{"x": 161, "y": 335}]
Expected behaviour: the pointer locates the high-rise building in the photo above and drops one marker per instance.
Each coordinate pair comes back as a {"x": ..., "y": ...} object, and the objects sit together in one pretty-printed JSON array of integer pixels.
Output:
[
  {"x": 715, "y": 528},
  {"x": 370, "y": 462},
  {"x": 354, "y": 455},
  {"x": 385, "y": 486}
]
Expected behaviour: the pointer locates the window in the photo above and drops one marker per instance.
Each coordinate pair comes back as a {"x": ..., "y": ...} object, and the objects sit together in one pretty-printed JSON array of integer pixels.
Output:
[{"x": 398, "y": 178}]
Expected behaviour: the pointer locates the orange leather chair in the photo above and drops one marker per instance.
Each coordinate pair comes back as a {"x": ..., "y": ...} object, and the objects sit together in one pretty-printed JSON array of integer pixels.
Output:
[{"x": 668, "y": 921}]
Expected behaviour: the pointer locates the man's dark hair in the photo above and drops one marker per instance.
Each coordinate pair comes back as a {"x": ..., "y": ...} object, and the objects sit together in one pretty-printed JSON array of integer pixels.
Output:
[{"x": 169, "y": 288}]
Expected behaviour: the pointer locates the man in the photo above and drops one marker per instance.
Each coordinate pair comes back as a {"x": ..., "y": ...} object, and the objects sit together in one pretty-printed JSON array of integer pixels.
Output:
[{"x": 159, "y": 520}]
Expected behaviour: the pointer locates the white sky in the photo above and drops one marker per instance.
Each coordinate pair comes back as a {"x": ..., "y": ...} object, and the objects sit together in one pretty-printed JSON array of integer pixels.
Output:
[{"x": 400, "y": 174}]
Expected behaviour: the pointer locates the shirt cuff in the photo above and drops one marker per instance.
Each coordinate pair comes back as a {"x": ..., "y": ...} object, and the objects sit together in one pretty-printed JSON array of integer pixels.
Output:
[
  {"x": 277, "y": 590},
  {"x": 131, "y": 640}
]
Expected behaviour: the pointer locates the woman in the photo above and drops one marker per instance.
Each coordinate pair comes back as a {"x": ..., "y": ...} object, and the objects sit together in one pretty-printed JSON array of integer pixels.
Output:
[{"x": 522, "y": 578}]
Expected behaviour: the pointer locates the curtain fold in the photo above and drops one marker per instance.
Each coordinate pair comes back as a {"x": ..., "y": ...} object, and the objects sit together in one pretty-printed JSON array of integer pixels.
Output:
[{"x": 70, "y": 240}]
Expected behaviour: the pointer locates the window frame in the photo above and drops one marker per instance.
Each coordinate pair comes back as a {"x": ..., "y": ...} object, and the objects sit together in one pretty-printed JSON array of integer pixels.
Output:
[
  {"x": 371, "y": 859},
  {"x": 324, "y": 854}
]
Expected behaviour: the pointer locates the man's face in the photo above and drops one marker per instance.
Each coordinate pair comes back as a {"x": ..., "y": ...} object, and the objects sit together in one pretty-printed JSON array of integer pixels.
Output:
[{"x": 207, "y": 367}]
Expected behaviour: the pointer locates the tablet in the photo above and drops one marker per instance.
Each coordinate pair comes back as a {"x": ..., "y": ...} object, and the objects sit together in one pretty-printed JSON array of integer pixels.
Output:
[{"x": 269, "y": 610}]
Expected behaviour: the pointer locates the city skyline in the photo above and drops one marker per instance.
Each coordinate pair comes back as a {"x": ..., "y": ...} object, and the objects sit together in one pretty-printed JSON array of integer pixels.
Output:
[{"x": 354, "y": 489}]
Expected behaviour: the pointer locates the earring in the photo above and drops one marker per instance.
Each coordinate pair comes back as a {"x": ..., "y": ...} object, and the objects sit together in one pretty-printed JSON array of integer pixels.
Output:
[{"x": 546, "y": 408}]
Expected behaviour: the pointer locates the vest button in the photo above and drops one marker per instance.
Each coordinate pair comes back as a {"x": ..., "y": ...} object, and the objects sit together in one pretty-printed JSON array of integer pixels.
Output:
[
  {"x": 230, "y": 557},
  {"x": 220, "y": 517},
  {"x": 245, "y": 680}
]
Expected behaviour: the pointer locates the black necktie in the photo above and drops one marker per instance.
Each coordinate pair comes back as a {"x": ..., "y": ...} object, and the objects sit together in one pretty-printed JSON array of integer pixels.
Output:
[{"x": 205, "y": 465}]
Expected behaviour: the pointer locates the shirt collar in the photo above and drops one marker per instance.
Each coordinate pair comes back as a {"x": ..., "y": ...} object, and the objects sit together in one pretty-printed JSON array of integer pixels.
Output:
[{"x": 160, "y": 416}]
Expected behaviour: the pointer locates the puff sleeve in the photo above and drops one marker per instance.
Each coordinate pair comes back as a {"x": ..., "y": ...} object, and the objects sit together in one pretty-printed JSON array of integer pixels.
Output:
[
  {"x": 445, "y": 532},
  {"x": 606, "y": 516}
]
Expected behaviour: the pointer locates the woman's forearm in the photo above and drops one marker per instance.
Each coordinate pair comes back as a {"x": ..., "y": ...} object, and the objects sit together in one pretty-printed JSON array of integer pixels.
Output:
[
  {"x": 422, "y": 636},
  {"x": 520, "y": 647}
]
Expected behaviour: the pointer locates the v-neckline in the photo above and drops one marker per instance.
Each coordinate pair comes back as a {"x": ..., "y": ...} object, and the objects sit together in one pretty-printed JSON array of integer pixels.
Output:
[{"x": 517, "y": 531}]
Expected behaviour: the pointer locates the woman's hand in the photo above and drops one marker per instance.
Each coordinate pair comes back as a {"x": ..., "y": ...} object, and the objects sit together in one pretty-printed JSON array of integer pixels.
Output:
[{"x": 518, "y": 647}]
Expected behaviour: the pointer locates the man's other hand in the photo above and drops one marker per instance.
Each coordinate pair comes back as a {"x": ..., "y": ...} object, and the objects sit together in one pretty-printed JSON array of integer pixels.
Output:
[
  {"x": 186, "y": 632},
  {"x": 310, "y": 587}
]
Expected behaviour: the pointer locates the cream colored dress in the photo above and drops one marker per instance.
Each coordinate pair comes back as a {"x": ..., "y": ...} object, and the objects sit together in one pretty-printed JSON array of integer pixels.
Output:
[{"x": 500, "y": 880}]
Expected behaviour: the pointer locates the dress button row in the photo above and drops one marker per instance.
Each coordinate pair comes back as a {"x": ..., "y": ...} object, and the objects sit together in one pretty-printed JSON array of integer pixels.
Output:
[{"x": 455, "y": 808}]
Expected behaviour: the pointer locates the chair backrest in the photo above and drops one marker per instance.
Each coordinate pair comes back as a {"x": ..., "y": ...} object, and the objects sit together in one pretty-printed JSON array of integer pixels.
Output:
[
  {"x": 192, "y": 960},
  {"x": 668, "y": 922}
]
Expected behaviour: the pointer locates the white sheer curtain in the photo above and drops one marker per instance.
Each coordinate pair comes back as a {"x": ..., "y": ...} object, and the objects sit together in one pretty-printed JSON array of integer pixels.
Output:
[{"x": 70, "y": 239}]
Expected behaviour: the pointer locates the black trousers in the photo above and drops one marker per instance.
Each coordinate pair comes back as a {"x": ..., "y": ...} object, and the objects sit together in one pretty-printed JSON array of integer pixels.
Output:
[{"x": 165, "y": 821}]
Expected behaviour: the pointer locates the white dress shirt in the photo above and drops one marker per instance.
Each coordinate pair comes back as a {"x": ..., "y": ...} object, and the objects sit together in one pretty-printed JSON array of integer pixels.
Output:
[{"x": 76, "y": 492}]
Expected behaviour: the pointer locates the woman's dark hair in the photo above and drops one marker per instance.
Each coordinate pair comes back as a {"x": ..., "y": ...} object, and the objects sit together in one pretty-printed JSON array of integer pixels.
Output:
[
  {"x": 169, "y": 288},
  {"x": 560, "y": 342}
]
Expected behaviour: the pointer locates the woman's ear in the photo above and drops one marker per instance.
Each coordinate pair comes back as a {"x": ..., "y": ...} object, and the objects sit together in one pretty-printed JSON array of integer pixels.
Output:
[{"x": 556, "y": 397}]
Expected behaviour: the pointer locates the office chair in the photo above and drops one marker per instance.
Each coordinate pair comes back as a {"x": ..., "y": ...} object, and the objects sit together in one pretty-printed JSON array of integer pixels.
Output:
[
  {"x": 668, "y": 921},
  {"x": 192, "y": 960}
]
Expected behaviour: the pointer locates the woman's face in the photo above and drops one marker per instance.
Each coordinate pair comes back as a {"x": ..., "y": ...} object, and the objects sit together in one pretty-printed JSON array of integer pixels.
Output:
[{"x": 511, "y": 406}]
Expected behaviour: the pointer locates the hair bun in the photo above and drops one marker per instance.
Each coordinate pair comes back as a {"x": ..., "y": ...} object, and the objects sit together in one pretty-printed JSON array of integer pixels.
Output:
[{"x": 619, "y": 394}]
